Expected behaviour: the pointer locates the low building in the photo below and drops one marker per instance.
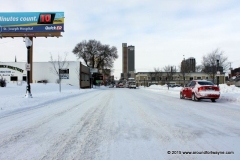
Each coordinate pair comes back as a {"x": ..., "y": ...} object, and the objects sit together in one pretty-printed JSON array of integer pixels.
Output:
[
  {"x": 14, "y": 72},
  {"x": 149, "y": 78}
]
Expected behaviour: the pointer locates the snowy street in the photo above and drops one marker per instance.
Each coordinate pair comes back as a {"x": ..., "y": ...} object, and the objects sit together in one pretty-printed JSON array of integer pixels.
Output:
[{"x": 121, "y": 124}]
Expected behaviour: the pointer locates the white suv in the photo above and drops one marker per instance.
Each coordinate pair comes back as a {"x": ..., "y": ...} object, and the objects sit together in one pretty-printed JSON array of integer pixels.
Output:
[{"x": 132, "y": 85}]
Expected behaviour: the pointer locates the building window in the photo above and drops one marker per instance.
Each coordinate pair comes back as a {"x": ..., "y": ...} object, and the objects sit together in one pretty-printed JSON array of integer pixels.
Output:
[
  {"x": 191, "y": 78},
  {"x": 24, "y": 78},
  {"x": 199, "y": 78},
  {"x": 14, "y": 78}
]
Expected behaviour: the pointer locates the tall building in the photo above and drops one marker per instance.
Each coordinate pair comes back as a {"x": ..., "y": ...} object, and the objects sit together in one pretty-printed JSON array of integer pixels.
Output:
[
  {"x": 190, "y": 65},
  {"x": 131, "y": 58},
  {"x": 124, "y": 57},
  {"x": 128, "y": 61}
]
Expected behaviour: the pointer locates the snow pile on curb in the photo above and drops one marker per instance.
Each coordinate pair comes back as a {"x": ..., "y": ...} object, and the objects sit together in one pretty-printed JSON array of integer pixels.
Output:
[{"x": 229, "y": 93}]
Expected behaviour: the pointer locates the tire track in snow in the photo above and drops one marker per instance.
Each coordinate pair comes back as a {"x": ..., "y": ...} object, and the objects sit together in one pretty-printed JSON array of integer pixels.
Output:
[
  {"x": 11, "y": 139},
  {"x": 163, "y": 131},
  {"x": 41, "y": 105},
  {"x": 83, "y": 140},
  {"x": 185, "y": 134}
]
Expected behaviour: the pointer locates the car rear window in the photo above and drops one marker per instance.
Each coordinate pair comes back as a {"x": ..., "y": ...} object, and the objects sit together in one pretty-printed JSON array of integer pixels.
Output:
[{"x": 205, "y": 83}]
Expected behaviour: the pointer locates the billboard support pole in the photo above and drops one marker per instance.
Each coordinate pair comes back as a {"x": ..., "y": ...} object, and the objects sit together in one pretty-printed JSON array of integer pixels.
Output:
[
  {"x": 28, "y": 43},
  {"x": 31, "y": 60}
]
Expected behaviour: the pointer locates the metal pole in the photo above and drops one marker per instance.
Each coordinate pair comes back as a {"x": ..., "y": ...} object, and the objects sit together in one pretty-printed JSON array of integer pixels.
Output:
[{"x": 28, "y": 73}]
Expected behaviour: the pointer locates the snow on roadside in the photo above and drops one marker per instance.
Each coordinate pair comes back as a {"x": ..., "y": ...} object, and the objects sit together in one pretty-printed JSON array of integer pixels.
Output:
[
  {"x": 12, "y": 96},
  {"x": 228, "y": 93}
]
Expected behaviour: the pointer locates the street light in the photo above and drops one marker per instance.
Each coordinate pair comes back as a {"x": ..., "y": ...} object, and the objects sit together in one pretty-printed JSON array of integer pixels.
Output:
[
  {"x": 218, "y": 72},
  {"x": 28, "y": 43}
]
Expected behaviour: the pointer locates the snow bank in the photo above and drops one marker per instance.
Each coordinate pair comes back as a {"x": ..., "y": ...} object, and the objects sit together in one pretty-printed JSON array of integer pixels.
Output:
[
  {"x": 12, "y": 96},
  {"x": 228, "y": 93}
]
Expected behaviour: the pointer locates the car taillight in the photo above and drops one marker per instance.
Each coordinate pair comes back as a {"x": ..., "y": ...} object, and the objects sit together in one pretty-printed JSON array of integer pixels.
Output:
[
  {"x": 201, "y": 89},
  {"x": 217, "y": 89}
]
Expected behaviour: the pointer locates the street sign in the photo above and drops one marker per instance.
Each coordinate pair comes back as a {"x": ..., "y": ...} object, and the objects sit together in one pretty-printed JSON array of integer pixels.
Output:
[
  {"x": 218, "y": 73},
  {"x": 28, "y": 67},
  {"x": 64, "y": 76},
  {"x": 98, "y": 81},
  {"x": 93, "y": 70},
  {"x": 64, "y": 73}
]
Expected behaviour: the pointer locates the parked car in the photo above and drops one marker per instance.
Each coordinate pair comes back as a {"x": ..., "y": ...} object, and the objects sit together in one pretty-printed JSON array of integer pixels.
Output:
[
  {"x": 174, "y": 85},
  {"x": 132, "y": 85},
  {"x": 171, "y": 85},
  {"x": 200, "y": 89}
]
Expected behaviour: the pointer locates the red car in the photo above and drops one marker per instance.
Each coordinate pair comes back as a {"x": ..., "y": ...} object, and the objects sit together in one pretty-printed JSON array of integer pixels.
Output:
[{"x": 200, "y": 89}]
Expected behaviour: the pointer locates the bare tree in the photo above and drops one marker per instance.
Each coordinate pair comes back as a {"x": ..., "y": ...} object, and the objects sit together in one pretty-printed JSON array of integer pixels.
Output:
[
  {"x": 184, "y": 70},
  {"x": 170, "y": 71},
  {"x": 151, "y": 75},
  {"x": 209, "y": 63},
  {"x": 158, "y": 73},
  {"x": 198, "y": 68},
  {"x": 95, "y": 54},
  {"x": 107, "y": 56},
  {"x": 57, "y": 66}
]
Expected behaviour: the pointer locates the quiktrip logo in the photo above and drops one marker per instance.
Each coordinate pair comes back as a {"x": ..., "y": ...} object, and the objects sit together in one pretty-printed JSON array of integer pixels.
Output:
[
  {"x": 53, "y": 28},
  {"x": 59, "y": 27}
]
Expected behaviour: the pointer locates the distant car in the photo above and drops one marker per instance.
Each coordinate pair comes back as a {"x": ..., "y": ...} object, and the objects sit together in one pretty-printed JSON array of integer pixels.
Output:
[
  {"x": 120, "y": 85},
  {"x": 111, "y": 86},
  {"x": 200, "y": 89},
  {"x": 132, "y": 85},
  {"x": 171, "y": 85}
]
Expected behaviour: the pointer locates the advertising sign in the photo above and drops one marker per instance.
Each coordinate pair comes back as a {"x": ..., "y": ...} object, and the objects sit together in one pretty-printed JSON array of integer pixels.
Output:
[
  {"x": 64, "y": 76},
  {"x": 23, "y": 22},
  {"x": 64, "y": 73}
]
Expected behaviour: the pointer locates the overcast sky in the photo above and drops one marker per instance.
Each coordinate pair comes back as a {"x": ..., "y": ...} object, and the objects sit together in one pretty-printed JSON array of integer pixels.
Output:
[{"x": 161, "y": 31}]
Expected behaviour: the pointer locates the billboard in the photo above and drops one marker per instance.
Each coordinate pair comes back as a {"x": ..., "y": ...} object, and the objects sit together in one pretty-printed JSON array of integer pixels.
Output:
[{"x": 25, "y": 22}]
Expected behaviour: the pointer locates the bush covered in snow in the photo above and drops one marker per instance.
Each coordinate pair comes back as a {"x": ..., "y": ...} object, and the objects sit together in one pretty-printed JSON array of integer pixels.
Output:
[{"x": 3, "y": 82}]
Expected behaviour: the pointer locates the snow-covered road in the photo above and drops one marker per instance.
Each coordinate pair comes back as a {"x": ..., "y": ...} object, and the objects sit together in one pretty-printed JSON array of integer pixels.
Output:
[{"x": 122, "y": 124}]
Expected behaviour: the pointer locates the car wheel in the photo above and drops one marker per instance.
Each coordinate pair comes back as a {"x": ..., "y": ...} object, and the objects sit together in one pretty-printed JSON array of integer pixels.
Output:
[
  {"x": 194, "y": 98},
  {"x": 181, "y": 96},
  {"x": 213, "y": 100}
]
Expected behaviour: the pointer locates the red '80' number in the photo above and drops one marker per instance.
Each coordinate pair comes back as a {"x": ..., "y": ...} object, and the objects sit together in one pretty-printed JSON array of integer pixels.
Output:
[{"x": 45, "y": 18}]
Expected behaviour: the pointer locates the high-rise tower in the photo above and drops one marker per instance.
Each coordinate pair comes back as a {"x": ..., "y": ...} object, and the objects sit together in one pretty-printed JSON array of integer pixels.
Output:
[
  {"x": 128, "y": 61},
  {"x": 124, "y": 58}
]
